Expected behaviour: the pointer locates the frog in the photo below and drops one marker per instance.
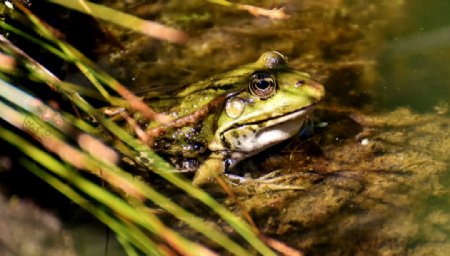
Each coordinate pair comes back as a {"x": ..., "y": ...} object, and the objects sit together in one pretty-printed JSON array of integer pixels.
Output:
[{"x": 226, "y": 118}]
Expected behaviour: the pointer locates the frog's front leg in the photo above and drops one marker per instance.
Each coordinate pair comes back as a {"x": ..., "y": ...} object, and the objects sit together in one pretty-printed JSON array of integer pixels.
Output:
[{"x": 212, "y": 167}]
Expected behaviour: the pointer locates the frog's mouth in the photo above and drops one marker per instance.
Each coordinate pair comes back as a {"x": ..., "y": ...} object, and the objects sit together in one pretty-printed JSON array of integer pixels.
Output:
[
  {"x": 254, "y": 137},
  {"x": 269, "y": 122}
]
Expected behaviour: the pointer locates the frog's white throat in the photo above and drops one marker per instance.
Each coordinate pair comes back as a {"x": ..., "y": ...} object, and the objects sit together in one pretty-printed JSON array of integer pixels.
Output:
[
  {"x": 276, "y": 131},
  {"x": 250, "y": 139}
]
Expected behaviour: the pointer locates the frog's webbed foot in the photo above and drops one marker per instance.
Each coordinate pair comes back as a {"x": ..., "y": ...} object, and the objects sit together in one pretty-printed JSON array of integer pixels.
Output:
[
  {"x": 212, "y": 172},
  {"x": 267, "y": 183}
]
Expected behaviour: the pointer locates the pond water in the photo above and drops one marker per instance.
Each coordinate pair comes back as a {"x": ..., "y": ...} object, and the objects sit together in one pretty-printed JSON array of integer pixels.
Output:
[
  {"x": 413, "y": 66},
  {"x": 376, "y": 172}
]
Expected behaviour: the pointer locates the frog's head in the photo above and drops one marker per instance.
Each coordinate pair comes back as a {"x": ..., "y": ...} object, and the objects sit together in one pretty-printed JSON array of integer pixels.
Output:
[{"x": 270, "y": 106}]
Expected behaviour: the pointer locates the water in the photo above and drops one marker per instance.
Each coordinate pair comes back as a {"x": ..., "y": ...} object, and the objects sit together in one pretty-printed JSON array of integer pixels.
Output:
[
  {"x": 376, "y": 177},
  {"x": 414, "y": 68}
]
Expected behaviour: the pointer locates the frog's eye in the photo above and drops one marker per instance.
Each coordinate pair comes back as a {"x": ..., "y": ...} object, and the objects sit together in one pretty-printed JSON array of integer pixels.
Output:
[{"x": 262, "y": 84}]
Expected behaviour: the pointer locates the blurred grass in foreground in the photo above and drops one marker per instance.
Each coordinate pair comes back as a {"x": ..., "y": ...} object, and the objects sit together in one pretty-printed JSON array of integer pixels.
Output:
[{"x": 67, "y": 148}]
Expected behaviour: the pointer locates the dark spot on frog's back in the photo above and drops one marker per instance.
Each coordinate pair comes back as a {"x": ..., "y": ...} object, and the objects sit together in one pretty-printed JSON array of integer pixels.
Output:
[
  {"x": 144, "y": 160},
  {"x": 162, "y": 144},
  {"x": 197, "y": 146}
]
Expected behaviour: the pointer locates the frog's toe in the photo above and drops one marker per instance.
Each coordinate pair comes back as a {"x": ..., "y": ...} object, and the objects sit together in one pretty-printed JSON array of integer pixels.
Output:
[{"x": 263, "y": 184}]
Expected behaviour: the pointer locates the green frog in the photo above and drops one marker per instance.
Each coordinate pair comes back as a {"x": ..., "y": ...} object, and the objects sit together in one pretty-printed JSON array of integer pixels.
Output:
[{"x": 229, "y": 117}]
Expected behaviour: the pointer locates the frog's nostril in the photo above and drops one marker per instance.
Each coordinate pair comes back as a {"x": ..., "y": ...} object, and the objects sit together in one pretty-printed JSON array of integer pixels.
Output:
[{"x": 300, "y": 83}]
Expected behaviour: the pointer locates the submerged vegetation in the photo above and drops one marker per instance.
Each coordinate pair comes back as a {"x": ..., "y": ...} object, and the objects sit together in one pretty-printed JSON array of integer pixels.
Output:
[{"x": 374, "y": 180}]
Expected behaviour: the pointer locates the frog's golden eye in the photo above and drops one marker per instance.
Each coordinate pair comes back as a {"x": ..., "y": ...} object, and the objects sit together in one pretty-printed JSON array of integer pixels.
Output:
[{"x": 262, "y": 84}]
